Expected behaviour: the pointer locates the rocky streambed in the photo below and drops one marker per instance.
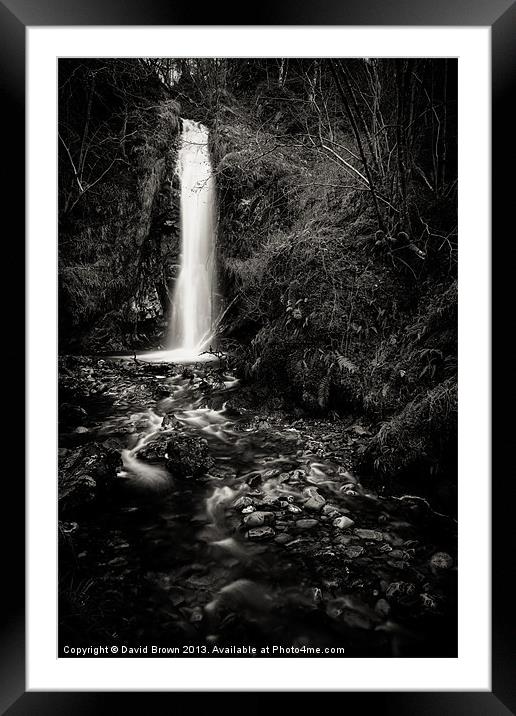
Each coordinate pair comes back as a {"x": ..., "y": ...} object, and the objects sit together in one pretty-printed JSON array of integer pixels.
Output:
[{"x": 188, "y": 519}]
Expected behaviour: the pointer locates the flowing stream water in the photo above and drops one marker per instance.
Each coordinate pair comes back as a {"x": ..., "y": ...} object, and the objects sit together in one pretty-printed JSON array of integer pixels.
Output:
[{"x": 174, "y": 561}]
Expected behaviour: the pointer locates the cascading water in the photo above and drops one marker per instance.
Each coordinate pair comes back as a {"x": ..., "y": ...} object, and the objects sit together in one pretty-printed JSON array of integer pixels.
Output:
[
  {"x": 194, "y": 306},
  {"x": 193, "y": 301}
]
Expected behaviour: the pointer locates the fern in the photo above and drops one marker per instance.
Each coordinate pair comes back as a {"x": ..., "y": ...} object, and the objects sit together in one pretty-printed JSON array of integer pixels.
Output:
[
  {"x": 323, "y": 392},
  {"x": 345, "y": 364}
]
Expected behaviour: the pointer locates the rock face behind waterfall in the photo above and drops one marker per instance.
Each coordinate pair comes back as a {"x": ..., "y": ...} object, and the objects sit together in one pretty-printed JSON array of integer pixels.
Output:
[{"x": 113, "y": 299}]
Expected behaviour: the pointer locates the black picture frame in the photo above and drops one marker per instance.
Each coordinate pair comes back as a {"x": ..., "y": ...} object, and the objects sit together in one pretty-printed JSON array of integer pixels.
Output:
[{"x": 15, "y": 16}]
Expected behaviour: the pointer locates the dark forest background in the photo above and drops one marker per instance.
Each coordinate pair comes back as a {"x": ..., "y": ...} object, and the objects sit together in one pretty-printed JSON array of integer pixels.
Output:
[{"x": 337, "y": 231}]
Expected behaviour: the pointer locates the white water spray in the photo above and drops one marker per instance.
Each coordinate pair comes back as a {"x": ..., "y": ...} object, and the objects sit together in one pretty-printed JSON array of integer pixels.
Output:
[
  {"x": 193, "y": 301},
  {"x": 191, "y": 328}
]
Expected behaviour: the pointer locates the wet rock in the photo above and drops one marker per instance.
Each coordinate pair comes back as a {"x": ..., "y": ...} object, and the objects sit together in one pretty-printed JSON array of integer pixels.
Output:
[
  {"x": 154, "y": 451},
  {"x": 347, "y": 477},
  {"x": 270, "y": 499},
  {"x": 441, "y": 561},
  {"x": 95, "y": 460},
  {"x": 117, "y": 562},
  {"x": 247, "y": 510},
  {"x": 429, "y": 601},
  {"x": 330, "y": 511},
  {"x": 260, "y": 533},
  {"x": 81, "y": 429},
  {"x": 68, "y": 528},
  {"x": 263, "y": 425},
  {"x": 398, "y": 554},
  {"x": 113, "y": 445},
  {"x": 296, "y": 475},
  {"x": 72, "y": 413},
  {"x": 382, "y": 608},
  {"x": 353, "y": 551},
  {"x": 306, "y": 524},
  {"x": 196, "y": 615},
  {"x": 283, "y": 538},
  {"x": 188, "y": 456},
  {"x": 293, "y": 508},
  {"x": 254, "y": 480},
  {"x": 343, "y": 522},
  {"x": 230, "y": 410},
  {"x": 243, "y": 501},
  {"x": 257, "y": 519},
  {"x": 358, "y": 430},
  {"x": 317, "y": 595},
  {"x": 271, "y": 473},
  {"x": 403, "y": 592},
  {"x": 369, "y": 534},
  {"x": 315, "y": 501}
]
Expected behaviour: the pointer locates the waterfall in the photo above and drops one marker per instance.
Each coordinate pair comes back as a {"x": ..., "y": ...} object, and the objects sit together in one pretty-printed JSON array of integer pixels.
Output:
[{"x": 193, "y": 306}]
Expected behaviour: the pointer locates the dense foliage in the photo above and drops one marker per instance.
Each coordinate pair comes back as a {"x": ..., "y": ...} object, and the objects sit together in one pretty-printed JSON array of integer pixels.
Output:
[{"x": 337, "y": 234}]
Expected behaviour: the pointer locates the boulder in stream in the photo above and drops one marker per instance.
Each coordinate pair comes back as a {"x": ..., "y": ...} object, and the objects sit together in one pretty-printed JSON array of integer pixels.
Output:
[
  {"x": 83, "y": 473},
  {"x": 188, "y": 456},
  {"x": 257, "y": 519}
]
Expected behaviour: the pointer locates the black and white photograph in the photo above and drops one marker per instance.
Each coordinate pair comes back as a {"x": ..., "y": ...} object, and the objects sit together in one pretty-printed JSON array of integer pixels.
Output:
[{"x": 257, "y": 297}]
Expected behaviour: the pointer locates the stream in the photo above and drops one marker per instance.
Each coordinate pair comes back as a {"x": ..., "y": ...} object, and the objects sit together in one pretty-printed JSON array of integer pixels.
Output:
[{"x": 276, "y": 544}]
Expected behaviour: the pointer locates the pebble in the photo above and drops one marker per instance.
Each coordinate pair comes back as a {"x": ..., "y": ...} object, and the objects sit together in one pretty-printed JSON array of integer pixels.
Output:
[
  {"x": 260, "y": 533},
  {"x": 353, "y": 551},
  {"x": 294, "y": 509},
  {"x": 347, "y": 476},
  {"x": 283, "y": 538},
  {"x": 81, "y": 429},
  {"x": 306, "y": 524},
  {"x": 243, "y": 501},
  {"x": 441, "y": 560},
  {"x": 401, "y": 590},
  {"x": 68, "y": 527},
  {"x": 270, "y": 499},
  {"x": 315, "y": 501},
  {"x": 369, "y": 534},
  {"x": 257, "y": 519},
  {"x": 196, "y": 615},
  {"x": 248, "y": 509},
  {"x": 382, "y": 607},
  {"x": 343, "y": 523},
  {"x": 330, "y": 510}
]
